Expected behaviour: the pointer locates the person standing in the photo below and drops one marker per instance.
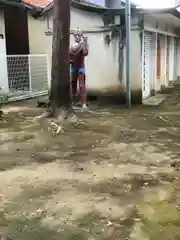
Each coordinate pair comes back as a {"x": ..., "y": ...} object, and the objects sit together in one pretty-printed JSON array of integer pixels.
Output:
[{"x": 78, "y": 51}]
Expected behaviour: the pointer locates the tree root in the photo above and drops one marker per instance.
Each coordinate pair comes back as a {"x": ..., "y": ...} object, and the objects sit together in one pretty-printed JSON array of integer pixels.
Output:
[
  {"x": 57, "y": 121},
  {"x": 55, "y": 129}
]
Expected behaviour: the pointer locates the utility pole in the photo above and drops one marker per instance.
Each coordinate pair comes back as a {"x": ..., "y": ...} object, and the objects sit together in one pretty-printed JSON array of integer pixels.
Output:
[{"x": 128, "y": 54}]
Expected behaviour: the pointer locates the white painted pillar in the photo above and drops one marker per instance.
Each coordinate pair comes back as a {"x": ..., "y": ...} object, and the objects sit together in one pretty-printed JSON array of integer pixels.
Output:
[
  {"x": 4, "y": 85},
  {"x": 171, "y": 59},
  {"x": 163, "y": 42},
  {"x": 142, "y": 63},
  {"x": 155, "y": 62},
  {"x": 30, "y": 74},
  {"x": 165, "y": 60}
]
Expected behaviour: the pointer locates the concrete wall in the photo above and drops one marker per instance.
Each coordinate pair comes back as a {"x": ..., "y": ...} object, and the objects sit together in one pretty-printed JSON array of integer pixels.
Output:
[
  {"x": 37, "y": 38},
  {"x": 136, "y": 75},
  {"x": 102, "y": 61},
  {"x": 102, "y": 64},
  {"x": 82, "y": 19}
]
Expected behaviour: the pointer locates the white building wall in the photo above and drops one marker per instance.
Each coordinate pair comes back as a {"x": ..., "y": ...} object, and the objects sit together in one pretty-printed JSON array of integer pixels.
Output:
[
  {"x": 102, "y": 64},
  {"x": 102, "y": 61},
  {"x": 37, "y": 38},
  {"x": 82, "y": 19},
  {"x": 136, "y": 67},
  {"x": 3, "y": 59},
  {"x": 2, "y": 27}
]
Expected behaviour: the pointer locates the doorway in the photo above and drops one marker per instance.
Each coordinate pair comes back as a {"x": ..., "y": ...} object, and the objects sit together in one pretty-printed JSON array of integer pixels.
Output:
[
  {"x": 17, "y": 43},
  {"x": 16, "y": 30}
]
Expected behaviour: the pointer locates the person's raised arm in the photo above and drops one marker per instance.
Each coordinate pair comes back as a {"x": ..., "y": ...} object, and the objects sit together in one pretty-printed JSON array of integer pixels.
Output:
[{"x": 85, "y": 46}]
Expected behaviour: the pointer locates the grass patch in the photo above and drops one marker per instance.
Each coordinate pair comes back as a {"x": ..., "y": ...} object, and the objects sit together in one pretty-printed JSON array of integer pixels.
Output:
[
  {"x": 161, "y": 221},
  {"x": 21, "y": 228},
  {"x": 90, "y": 226},
  {"x": 99, "y": 227},
  {"x": 161, "y": 231}
]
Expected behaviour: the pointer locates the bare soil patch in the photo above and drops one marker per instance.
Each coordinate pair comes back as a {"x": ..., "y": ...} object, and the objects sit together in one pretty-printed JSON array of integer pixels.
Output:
[{"x": 112, "y": 180}]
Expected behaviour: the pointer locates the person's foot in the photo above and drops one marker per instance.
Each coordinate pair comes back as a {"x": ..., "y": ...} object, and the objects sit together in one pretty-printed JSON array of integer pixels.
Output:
[{"x": 84, "y": 106}]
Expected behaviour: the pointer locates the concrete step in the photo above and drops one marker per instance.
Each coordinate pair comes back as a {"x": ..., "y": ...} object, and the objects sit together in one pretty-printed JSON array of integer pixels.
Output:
[
  {"x": 167, "y": 89},
  {"x": 155, "y": 100},
  {"x": 177, "y": 82}
]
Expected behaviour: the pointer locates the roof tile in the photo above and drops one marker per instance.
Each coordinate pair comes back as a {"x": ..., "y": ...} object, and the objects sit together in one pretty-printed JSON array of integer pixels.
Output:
[{"x": 38, "y": 3}]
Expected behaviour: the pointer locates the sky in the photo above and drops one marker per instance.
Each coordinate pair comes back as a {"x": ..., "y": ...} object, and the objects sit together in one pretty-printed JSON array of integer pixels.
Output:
[{"x": 156, "y": 3}]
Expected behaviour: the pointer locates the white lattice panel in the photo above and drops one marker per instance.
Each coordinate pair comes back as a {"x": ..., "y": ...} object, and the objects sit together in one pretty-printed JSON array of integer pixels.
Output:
[{"x": 27, "y": 75}]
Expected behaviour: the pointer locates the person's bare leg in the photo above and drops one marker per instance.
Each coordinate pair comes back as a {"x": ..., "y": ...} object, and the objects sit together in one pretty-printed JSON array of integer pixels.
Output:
[
  {"x": 83, "y": 91},
  {"x": 74, "y": 80}
]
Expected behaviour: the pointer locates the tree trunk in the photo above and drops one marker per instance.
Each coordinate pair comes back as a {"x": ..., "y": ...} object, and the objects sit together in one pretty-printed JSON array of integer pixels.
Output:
[{"x": 60, "y": 89}]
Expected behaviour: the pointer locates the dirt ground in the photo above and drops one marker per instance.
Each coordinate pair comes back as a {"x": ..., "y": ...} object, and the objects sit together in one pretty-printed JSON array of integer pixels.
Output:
[{"x": 110, "y": 179}]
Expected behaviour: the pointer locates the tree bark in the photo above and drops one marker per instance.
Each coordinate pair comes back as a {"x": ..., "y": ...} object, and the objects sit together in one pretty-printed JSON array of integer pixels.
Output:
[{"x": 60, "y": 87}]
